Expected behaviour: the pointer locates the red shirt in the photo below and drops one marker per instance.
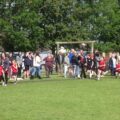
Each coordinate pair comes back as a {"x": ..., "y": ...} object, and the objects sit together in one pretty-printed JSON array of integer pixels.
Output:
[
  {"x": 14, "y": 68},
  {"x": 1, "y": 70},
  {"x": 118, "y": 68},
  {"x": 102, "y": 65},
  {"x": 49, "y": 61}
]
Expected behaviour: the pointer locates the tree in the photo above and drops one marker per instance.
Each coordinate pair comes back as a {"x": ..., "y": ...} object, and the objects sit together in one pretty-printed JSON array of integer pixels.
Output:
[{"x": 30, "y": 24}]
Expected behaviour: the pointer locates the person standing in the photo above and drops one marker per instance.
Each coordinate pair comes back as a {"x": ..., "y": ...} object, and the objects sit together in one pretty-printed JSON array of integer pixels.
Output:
[
  {"x": 6, "y": 65},
  {"x": 19, "y": 62},
  {"x": 36, "y": 69},
  {"x": 60, "y": 62},
  {"x": 82, "y": 62},
  {"x": 75, "y": 64},
  {"x": 26, "y": 65},
  {"x": 114, "y": 62},
  {"x": 10, "y": 62},
  {"x": 66, "y": 64},
  {"x": 49, "y": 61}
]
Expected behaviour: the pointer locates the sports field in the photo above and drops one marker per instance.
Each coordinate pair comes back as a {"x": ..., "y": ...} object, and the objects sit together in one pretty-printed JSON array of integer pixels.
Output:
[{"x": 61, "y": 99}]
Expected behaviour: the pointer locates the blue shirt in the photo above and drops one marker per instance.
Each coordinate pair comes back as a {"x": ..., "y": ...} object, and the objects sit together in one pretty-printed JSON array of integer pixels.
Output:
[{"x": 70, "y": 57}]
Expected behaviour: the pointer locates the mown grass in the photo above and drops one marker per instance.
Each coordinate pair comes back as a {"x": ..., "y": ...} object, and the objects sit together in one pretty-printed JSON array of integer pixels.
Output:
[{"x": 61, "y": 99}]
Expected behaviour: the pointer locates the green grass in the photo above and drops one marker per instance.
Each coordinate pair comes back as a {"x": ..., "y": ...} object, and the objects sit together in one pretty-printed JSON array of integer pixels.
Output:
[{"x": 61, "y": 99}]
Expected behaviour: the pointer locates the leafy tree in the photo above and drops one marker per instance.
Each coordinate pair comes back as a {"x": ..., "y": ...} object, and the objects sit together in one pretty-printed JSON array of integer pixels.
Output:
[{"x": 30, "y": 24}]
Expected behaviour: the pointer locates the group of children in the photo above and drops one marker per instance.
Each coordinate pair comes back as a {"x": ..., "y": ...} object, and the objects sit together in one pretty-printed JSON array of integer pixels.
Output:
[
  {"x": 81, "y": 65},
  {"x": 72, "y": 64},
  {"x": 25, "y": 66},
  {"x": 5, "y": 72}
]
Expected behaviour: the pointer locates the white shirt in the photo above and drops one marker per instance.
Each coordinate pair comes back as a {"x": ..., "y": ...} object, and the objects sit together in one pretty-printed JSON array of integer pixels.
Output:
[
  {"x": 37, "y": 61},
  {"x": 114, "y": 62}
]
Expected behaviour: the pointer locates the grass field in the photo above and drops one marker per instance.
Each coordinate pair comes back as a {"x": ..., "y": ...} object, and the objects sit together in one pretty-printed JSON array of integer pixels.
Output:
[{"x": 61, "y": 99}]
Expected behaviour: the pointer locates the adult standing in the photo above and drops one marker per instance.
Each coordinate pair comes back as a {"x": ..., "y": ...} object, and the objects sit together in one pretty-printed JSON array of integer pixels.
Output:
[
  {"x": 60, "y": 62},
  {"x": 10, "y": 64},
  {"x": 19, "y": 62},
  {"x": 71, "y": 54},
  {"x": 6, "y": 65},
  {"x": 36, "y": 69},
  {"x": 82, "y": 62},
  {"x": 27, "y": 64},
  {"x": 114, "y": 62},
  {"x": 75, "y": 64},
  {"x": 49, "y": 61},
  {"x": 66, "y": 64}
]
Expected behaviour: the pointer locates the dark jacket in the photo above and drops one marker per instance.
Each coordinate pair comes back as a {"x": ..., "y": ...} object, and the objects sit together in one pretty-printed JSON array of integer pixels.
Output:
[
  {"x": 6, "y": 64},
  {"x": 74, "y": 60},
  {"x": 58, "y": 60},
  {"x": 28, "y": 62}
]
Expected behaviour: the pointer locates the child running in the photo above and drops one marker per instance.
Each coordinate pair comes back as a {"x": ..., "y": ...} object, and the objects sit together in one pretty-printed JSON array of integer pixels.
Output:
[
  {"x": 14, "y": 70},
  {"x": 101, "y": 67},
  {"x": 2, "y": 75},
  {"x": 118, "y": 69}
]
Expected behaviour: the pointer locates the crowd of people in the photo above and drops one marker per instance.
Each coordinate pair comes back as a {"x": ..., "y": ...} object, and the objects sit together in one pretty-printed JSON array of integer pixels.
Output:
[
  {"x": 80, "y": 64},
  {"x": 23, "y": 65},
  {"x": 75, "y": 64}
]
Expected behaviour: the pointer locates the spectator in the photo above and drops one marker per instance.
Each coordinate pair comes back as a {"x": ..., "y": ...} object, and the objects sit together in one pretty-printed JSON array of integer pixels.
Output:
[
  {"x": 112, "y": 64},
  {"x": 6, "y": 65},
  {"x": 19, "y": 62},
  {"x": 60, "y": 62},
  {"x": 10, "y": 61},
  {"x": 71, "y": 55},
  {"x": 36, "y": 69},
  {"x": 49, "y": 61},
  {"x": 75, "y": 64},
  {"x": 66, "y": 64},
  {"x": 82, "y": 62},
  {"x": 27, "y": 63}
]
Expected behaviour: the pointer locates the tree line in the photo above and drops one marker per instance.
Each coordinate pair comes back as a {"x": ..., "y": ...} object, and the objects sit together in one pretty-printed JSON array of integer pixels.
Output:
[{"x": 32, "y": 24}]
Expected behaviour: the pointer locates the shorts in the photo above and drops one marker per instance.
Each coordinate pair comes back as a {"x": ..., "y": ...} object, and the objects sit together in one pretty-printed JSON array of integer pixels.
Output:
[
  {"x": 14, "y": 73},
  {"x": 118, "y": 71},
  {"x": 102, "y": 69},
  {"x": 26, "y": 68}
]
